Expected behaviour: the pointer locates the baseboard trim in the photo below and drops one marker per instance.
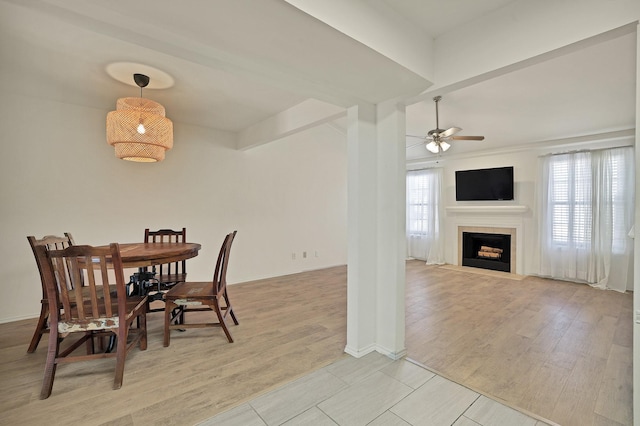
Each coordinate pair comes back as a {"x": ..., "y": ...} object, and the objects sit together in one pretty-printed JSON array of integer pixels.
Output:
[
  {"x": 19, "y": 318},
  {"x": 359, "y": 353},
  {"x": 391, "y": 354}
]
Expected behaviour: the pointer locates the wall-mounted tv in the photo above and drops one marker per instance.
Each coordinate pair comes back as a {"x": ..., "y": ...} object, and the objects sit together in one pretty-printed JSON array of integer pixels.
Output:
[{"x": 484, "y": 184}]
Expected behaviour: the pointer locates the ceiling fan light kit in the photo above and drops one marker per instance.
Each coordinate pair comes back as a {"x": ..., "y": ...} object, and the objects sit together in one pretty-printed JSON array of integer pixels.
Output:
[
  {"x": 436, "y": 139},
  {"x": 138, "y": 129},
  {"x": 437, "y": 147},
  {"x": 433, "y": 147}
]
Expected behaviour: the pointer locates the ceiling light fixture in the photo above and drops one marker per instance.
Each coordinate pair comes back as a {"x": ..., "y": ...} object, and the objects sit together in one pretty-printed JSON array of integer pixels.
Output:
[
  {"x": 138, "y": 129},
  {"x": 437, "y": 146}
]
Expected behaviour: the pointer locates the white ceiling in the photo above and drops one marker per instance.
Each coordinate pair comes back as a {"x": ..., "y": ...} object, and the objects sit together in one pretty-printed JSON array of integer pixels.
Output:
[
  {"x": 586, "y": 92},
  {"x": 437, "y": 16},
  {"x": 237, "y": 63}
]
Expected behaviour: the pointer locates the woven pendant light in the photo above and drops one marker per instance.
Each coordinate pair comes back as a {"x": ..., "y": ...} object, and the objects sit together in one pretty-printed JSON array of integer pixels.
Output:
[{"x": 138, "y": 129}]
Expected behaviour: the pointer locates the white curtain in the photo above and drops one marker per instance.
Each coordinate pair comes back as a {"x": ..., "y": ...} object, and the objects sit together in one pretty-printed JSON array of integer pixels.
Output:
[
  {"x": 586, "y": 215},
  {"x": 424, "y": 215}
]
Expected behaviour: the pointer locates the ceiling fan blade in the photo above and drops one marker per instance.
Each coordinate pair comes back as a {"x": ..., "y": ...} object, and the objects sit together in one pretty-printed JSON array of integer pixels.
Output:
[
  {"x": 414, "y": 145},
  {"x": 415, "y": 136},
  {"x": 450, "y": 131},
  {"x": 468, "y": 138}
]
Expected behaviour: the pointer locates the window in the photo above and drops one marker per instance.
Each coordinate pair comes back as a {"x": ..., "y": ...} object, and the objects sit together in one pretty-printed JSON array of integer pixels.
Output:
[
  {"x": 574, "y": 194},
  {"x": 570, "y": 199},
  {"x": 422, "y": 202},
  {"x": 586, "y": 213},
  {"x": 424, "y": 215}
]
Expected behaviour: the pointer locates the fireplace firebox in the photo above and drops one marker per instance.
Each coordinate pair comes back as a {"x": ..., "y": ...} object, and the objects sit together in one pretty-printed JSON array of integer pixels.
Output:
[{"x": 487, "y": 251}]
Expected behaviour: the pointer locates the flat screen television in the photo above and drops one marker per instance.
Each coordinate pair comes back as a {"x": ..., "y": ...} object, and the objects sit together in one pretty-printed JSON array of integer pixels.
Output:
[{"x": 484, "y": 184}]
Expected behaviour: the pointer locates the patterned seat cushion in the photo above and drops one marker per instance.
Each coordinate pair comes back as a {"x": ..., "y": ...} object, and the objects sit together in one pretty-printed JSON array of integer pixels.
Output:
[{"x": 94, "y": 324}]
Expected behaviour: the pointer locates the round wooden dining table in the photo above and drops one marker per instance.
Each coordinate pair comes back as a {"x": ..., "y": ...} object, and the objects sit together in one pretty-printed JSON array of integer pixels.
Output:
[{"x": 139, "y": 255}]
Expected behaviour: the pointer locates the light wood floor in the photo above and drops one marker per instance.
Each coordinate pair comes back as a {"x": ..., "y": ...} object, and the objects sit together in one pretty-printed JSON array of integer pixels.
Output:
[
  {"x": 559, "y": 350},
  {"x": 289, "y": 326},
  {"x": 556, "y": 349}
]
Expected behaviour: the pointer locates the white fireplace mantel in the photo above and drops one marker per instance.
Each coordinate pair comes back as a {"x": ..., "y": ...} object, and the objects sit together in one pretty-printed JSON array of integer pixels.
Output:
[
  {"x": 488, "y": 216},
  {"x": 497, "y": 210}
]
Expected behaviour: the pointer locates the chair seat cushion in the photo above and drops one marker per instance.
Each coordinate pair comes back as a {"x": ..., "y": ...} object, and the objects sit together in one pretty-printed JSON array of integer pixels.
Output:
[
  {"x": 95, "y": 324},
  {"x": 187, "y": 302}
]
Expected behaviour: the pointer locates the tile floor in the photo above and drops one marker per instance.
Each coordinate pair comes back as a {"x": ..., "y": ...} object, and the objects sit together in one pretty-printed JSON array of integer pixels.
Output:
[{"x": 373, "y": 390}]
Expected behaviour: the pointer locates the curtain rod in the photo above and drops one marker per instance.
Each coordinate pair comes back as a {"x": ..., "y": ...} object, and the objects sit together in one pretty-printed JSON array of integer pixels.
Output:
[
  {"x": 424, "y": 168},
  {"x": 576, "y": 151}
]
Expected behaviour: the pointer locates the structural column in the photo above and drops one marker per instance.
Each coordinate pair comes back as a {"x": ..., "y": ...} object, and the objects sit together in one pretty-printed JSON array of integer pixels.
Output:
[
  {"x": 392, "y": 246},
  {"x": 376, "y": 217}
]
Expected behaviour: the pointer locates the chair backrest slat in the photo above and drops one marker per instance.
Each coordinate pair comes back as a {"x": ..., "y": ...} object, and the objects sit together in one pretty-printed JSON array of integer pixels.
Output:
[
  {"x": 75, "y": 272},
  {"x": 106, "y": 293},
  {"x": 220, "y": 272}
]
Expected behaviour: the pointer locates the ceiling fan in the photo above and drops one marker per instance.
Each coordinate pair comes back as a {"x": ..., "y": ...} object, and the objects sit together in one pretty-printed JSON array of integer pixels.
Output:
[{"x": 437, "y": 139}]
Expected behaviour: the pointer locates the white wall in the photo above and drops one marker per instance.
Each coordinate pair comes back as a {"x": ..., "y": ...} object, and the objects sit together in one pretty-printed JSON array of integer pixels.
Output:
[{"x": 58, "y": 174}]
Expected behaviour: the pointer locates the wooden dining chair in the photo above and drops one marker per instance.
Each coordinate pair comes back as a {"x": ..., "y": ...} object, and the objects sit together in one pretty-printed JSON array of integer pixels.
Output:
[
  {"x": 202, "y": 296},
  {"x": 80, "y": 278},
  {"x": 49, "y": 242},
  {"x": 168, "y": 274}
]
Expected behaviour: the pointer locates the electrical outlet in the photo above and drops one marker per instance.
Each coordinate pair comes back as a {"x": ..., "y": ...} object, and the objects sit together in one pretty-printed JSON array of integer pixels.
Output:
[
  {"x": 293, "y": 256},
  {"x": 304, "y": 254}
]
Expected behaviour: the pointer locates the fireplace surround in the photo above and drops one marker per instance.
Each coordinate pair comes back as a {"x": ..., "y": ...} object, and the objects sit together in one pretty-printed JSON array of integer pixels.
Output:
[{"x": 491, "y": 219}]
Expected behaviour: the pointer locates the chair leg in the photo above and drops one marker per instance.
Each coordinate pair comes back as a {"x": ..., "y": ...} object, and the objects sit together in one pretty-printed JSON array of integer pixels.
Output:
[
  {"x": 91, "y": 349},
  {"x": 50, "y": 364},
  {"x": 230, "y": 308},
  {"x": 223, "y": 324},
  {"x": 41, "y": 328},
  {"x": 168, "y": 308},
  {"x": 121, "y": 355},
  {"x": 142, "y": 328},
  {"x": 101, "y": 346}
]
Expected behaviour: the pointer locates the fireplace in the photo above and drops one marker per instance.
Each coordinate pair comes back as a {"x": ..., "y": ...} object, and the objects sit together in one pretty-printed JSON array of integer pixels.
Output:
[
  {"x": 487, "y": 251},
  {"x": 489, "y": 219}
]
